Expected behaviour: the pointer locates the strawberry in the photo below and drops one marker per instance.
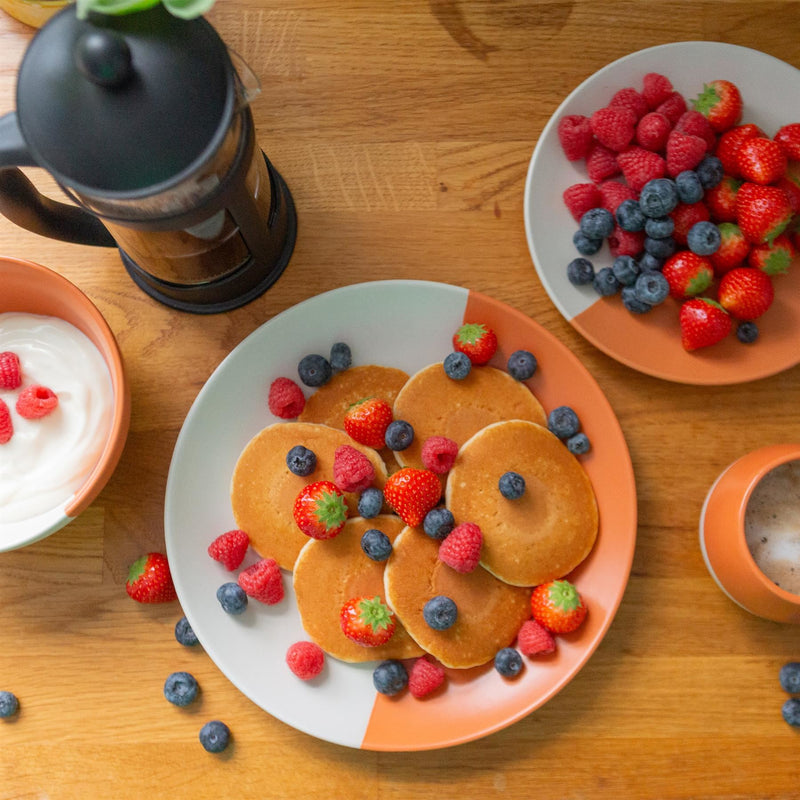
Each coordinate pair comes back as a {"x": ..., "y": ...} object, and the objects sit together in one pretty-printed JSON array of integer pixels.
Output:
[
  {"x": 263, "y": 581},
  {"x": 10, "y": 371},
  {"x": 721, "y": 103},
  {"x": 477, "y": 341},
  {"x": 558, "y": 606},
  {"x": 35, "y": 402},
  {"x": 673, "y": 107},
  {"x": 684, "y": 215},
  {"x": 746, "y": 293},
  {"x": 352, "y": 470},
  {"x": 788, "y": 137},
  {"x": 687, "y": 273},
  {"x": 286, "y": 399},
  {"x": 6, "y": 426},
  {"x": 652, "y": 131},
  {"x": 575, "y": 136},
  {"x": 684, "y": 152},
  {"x": 229, "y": 548},
  {"x": 424, "y": 677},
  {"x": 656, "y": 88},
  {"x": 775, "y": 258},
  {"x": 639, "y": 166},
  {"x": 694, "y": 123},
  {"x": 534, "y": 639},
  {"x": 601, "y": 163},
  {"x": 150, "y": 581},
  {"x": 791, "y": 187},
  {"x": 366, "y": 421},
  {"x": 580, "y": 198},
  {"x": 721, "y": 199},
  {"x": 760, "y": 160},
  {"x": 461, "y": 548},
  {"x": 412, "y": 493},
  {"x": 367, "y": 621},
  {"x": 320, "y": 510},
  {"x": 729, "y": 143},
  {"x": 703, "y": 323},
  {"x": 762, "y": 212},
  {"x": 733, "y": 248},
  {"x": 630, "y": 98},
  {"x": 614, "y": 127}
]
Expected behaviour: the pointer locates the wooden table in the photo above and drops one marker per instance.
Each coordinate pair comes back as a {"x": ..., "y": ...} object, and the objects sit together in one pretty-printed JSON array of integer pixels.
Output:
[{"x": 405, "y": 130}]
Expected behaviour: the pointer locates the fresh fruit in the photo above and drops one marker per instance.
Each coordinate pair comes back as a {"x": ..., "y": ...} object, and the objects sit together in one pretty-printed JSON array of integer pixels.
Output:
[
  {"x": 214, "y": 736},
  {"x": 563, "y": 422},
  {"x": 747, "y": 332},
  {"x": 320, "y": 510},
  {"x": 789, "y": 677},
  {"x": 534, "y": 639},
  {"x": 9, "y": 704},
  {"x": 184, "y": 633},
  {"x": 575, "y": 135},
  {"x": 613, "y": 193},
  {"x": 558, "y": 606},
  {"x": 376, "y": 545},
  {"x": 461, "y": 549},
  {"x": 511, "y": 485},
  {"x": 721, "y": 199},
  {"x": 341, "y": 356},
  {"x": 263, "y": 581},
  {"x": 788, "y": 137},
  {"x": 508, "y": 662},
  {"x": 761, "y": 160},
  {"x": 775, "y": 258},
  {"x": 580, "y": 197},
  {"x": 790, "y": 711},
  {"x": 730, "y": 141},
  {"x": 703, "y": 322},
  {"x": 412, "y": 493},
  {"x": 688, "y": 274},
  {"x": 305, "y": 659},
  {"x": 370, "y": 503},
  {"x": 696, "y": 124},
  {"x": 35, "y": 402},
  {"x": 578, "y": 444},
  {"x": 614, "y": 127},
  {"x": 425, "y": 677},
  {"x": 733, "y": 248},
  {"x": 440, "y": 612},
  {"x": 352, "y": 470},
  {"x": 314, "y": 370},
  {"x": 366, "y": 421},
  {"x": 640, "y": 166},
  {"x": 390, "y": 677},
  {"x": 301, "y": 461},
  {"x": 10, "y": 371},
  {"x": 180, "y": 688},
  {"x": 762, "y": 212},
  {"x": 601, "y": 163},
  {"x": 286, "y": 399},
  {"x": 438, "y": 454},
  {"x": 229, "y": 548},
  {"x": 438, "y": 523},
  {"x": 149, "y": 580},
  {"x": 477, "y": 341},
  {"x": 367, "y": 621},
  {"x": 399, "y": 435},
  {"x": 721, "y": 103},
  {"x": 651, "y": 287},
  {"x": 652, "y": 131},
  {"x": 703, "y": 238},
  {"x": 684, "y": 216},
  {"x": 746, "y": 293},
  {"x": 596, "y": 223},
  {"x": 684, "y": 151},
  {"x": 632, "y": 99},
  {"x": 673, "y": 108},
  {"x": 457, "y": 366},
  {"x": 6, "y": 425},
  {"x": 656, "y": 88},
  {"x": 232, "y": 598}
]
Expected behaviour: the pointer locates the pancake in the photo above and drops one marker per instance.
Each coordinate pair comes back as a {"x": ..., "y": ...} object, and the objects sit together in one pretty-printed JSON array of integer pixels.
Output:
[
  {"x": 542, "y": 535},
  {"x": 490, "y": 612},
  {"x": 263, "y": 490},
  {"x": 329, "y": 573},
  {"x": 436, "y": 405}
]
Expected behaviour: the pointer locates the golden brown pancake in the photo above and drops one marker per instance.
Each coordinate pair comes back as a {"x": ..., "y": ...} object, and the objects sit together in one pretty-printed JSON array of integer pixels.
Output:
[
  {"x": 329, "y": 573},
  {"x": 263, "y": 490},
  {"x": 490, "y": 612},
  {"x": 545, "y": 533},
  {"x": 436, "y": 405}
]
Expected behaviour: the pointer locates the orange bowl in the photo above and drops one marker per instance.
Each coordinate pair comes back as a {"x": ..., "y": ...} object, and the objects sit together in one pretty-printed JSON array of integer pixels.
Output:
[
  {"x": 723, "y": 542},
  {"x": 34, "y": 289}
]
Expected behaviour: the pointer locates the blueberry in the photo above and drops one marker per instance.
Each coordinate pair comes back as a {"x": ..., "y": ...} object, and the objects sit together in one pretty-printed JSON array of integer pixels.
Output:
[
  {"x": 629, "y": 216},
  {"x": 578, "y": 444},
  {"x": 625, "y": 270},
  {"x": 659, "y": 227},
  {"x": 314, "y": 370},
  {"x": 563, "y": 422},
  {"x": 710, "y": 172},
  {"x": 9, "y": 705},
  {"x": 580, "y": 271},
  {"x": 690, "y": 190},
  {"x": 651, "y": 288},
  {"x": 438, "y": 523},
  {"x": 791, "y": 711},
  {"x": 341, "y": 357},
  {"x": 457, "y": 365},
  {"x": 184, "y": 633},
  {"x": 789, "y": 677},
  {"x": 376, "y": 545},
  {"x": 440, "y": 612},
  {"x": 747, "y": 332},
  {"x": 399, "y": 435},
  {"x": 703, "y": 238},
  {"x": 232, "y": 598},
  {"x": 370, "y": 503},
  {"x": 301, "y": 461},
  {"x": 632, "y": 303},
  {"x": 650, "y": 263},
  {"x": 180, "y": 688},
  {"x": 521, "y": 365},
  {"x": 390, "y": 677},
  {"x": 508, "y": 662},
  {"x": 214, "y": 736},
  {"x": 511, "y": 485},
  {"x": 585, "y": 245},
  {"x": 660, "y": 248},
  {"x": 597, "y": 223},
  {"x": 605, "y": 283},
  {"x": 658, "y": 197}
]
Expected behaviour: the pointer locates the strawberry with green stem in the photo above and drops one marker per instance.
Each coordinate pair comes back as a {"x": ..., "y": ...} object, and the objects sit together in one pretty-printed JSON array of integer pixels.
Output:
[
  {"x": 412, "y": 493},
  {"x": 558, "y": 606},
  {"x": 367, "y": 621},
  {"x": 366, "y": 421},
  {"x": 721, "y": 103},
  {"x": 150, "y": 580},
  {"x": 320, "y": 510},
  {"x": 477, "y": 341},
  {"x": 703, "y": 322}
]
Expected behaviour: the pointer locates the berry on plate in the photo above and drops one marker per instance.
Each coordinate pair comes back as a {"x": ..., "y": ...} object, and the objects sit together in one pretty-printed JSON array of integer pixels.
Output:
[
  {"x": 614, "y": 127},
  {"x": 232, "y": 598},
  {"x": 558, "y": 606},
  {"x": 320, "y": 510},
  {"x": 775, "y": 258},
  {"x": 534, "y": 639},
  {"x": 263, "y": 581},
  {"x": 477, "y": 341},
  {"x": 762, "y": 212},
  {"x": 703, "y": 322},
  {"x": 149, "y": 580},
  {"x": 305, "y": 659},
  {"x": 788, "y": 137},
  {"x": 285, "y": 399},
  {"x": 687, "y": 273},
  {"x": 390, "y": 677},
  {"x": 367, "y": 621},
  {"x": 575, "y": 136},
  {"x": 761, "y": 160},
  {"x": 412, "y": 493},
  {"x": 440, "y": 612},
  {"x": 746, "y": 293},
  {"x": 733, "y": 248},
  {"x": 730, "y": 141},
  {"x": 508, "y": 662},
  {"x": 461, "y": 549},
  {"x": 580, "y": 197},
  {"x": 229, "y": 548},
  {"x": 721, "y": 103},
  {"x": 438, "y": 454},
  {"x": 425, "y": 677},
  {"x": 366, "y": 421},
  {"x": 352, "y": 470}
]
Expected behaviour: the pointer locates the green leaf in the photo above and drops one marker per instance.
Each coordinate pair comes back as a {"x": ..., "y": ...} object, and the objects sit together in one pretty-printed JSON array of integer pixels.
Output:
[{"x": 188, "y": 9}]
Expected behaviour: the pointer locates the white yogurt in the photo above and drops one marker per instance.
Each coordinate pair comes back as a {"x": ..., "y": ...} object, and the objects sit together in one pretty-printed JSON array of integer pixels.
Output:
[{"x": 48, "y": 459}]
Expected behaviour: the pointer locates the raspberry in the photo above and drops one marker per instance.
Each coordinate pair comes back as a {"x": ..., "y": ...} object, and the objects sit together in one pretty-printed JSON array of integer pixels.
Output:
[
  {"x": 601, "y": 163},
  {"x": 424, "y": 677},
  {"x": 614, "y": 127},
  {"x": 684, "y": 152},
  {"x": 630, "y": 98},
  {"x": 579, "y": 198},
  {"x": 613, "y": 194},
  {"x": 36, "y": 401},
  {"x": 230, "y": 548},
  {"x": 697, "y": 124},
  {"x": 533, "y": 639},
  {"x": 263, "y": 581},
  {"x": 673, "y": 107},
  {"x": 6, "y": 427},
  {"x": 625, "y": 243},
  {"x": 438, "y": 454},
  {"x": 575, "y": 135},
  {"x": 656, "y": 88},
  {"x": 352, "y": 470},
  {"x": 305, "y": 659},
  {"x": 461, "y": 549},
  {"x": 286, "y": 399},
  {"x": 652, "y": 131},
  {"x": 10, "y": 373},
  {"x": 640, "y": 166}
]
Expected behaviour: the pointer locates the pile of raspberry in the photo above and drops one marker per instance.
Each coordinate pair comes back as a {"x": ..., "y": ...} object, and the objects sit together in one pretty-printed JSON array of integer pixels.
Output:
[{"x": 33, "y": 401}]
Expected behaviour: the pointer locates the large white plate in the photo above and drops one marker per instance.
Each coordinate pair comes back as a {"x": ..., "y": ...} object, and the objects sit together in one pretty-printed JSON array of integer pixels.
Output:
[{"x": 406, "y": 324}]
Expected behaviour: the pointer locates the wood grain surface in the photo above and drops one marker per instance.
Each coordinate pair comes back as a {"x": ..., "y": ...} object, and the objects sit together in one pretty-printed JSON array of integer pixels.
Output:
[{"x": 404, "y": 130}]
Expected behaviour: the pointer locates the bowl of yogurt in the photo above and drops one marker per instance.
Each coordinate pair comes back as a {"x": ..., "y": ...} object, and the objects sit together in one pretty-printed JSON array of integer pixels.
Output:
[
  {"x": 750, "y": 532},
  {"x": 54, "y": 343}
]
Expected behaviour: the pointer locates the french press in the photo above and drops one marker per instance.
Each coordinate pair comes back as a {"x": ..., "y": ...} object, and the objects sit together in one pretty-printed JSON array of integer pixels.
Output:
[{"x": 144, "y": 121}]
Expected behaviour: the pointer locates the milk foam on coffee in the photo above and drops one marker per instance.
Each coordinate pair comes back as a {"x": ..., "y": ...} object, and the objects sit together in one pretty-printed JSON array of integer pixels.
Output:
[
  {"x": 48, "y": 459},
  {"x": 772, "y": 525}
]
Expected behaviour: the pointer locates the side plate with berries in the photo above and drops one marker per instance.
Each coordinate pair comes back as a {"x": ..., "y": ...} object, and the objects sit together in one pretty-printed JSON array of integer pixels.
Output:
[
  {"x": 713, "y": 342},
  {"x": 408, "y": 325}
]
